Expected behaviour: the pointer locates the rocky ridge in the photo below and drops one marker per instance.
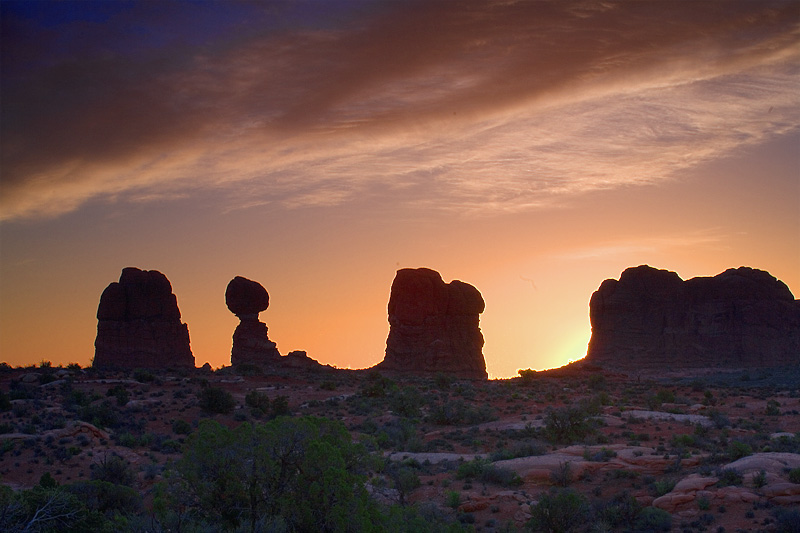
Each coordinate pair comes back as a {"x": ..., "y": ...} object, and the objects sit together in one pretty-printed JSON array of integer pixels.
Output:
[{"x": 651, "y": 319}]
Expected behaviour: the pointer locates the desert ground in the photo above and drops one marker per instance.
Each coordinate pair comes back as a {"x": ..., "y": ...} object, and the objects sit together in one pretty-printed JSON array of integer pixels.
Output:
[{"x": 571, "y": 449}]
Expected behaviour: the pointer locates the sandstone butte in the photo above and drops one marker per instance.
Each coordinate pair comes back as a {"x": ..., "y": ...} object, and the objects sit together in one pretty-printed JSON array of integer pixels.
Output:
[
  {"x": 652, "y": 320},
  {"x": 139, "y": 324},
  {"x": 434, "y": 326}
]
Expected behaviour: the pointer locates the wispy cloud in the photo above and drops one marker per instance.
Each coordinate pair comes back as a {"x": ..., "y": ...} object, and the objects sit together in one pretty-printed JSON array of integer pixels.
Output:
[
  {"x": 481, "y": 107},
  {"x": 710, "y": 238}
]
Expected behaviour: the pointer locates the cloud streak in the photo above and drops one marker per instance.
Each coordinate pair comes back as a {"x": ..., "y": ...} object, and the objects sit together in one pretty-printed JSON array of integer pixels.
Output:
[{"x": 482, "y": 107}]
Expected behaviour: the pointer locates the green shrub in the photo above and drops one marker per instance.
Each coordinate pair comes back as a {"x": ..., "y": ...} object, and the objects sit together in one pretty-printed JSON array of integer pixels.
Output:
[
  {"x": 737, "y": 450},
  {"x": 216, "y": 400},
  {"x": 760, "y": 479},
  {"x": 794, "y": 475},
  {"x": 304, "y": 473},
  {"x": 661, "y": 487},
  {"x": 406, "y": 402},
  {"x": 181, "y": 427},
  {"x": 120, "y": 393},
  {"x": 143, "y": 376},
  {"x": 482, "y": 470},
  {"x": 621, "y": 511},
  {"x": 559, "y": 511},
  {"x": 787, "y": 520},
  {"x": 653, "y": 519},
  {"x": 568, "y": 424},
  {"x": 113, "y": 469},
  {"x": 773, "y": 408},
  {"x": 257, "y": 400},
  {"x": 728, "y": 477},
  {"x": 452, "y": 499}
]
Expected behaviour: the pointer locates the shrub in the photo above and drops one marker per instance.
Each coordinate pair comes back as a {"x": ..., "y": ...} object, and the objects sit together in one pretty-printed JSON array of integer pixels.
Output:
[
  {"x": 562, "y": 476},
  {"x": 120, "y": 393},
  {"x": 737, "y": 450},
  {"x": 653, "y": 519},
  {"x": 143, "y": 376},
  {"x": 661, "y": 487},
  {"x": 280, "y": 407},
  {"x": 567, "y": 424},
  {"x": 102, "y": 415},
  {"x": 452, "y": 499},
  {"x": 773, "y": 408},
  {"x": 181, "y": 427},
  {"x": 216, "y": 400},
  {"x": 113, "y": 469},
  {"x": 377, "y": 386},
  {"x": 257, "y": 400},
  {"x": 794, "y": 475},
  {"x": 486, "y": 472},
  {"x": 787, "y": 520},
  {"x": 621, "y": 511},
  {"x": 406, "y": 402},
  {"x": 107, "y": 497},
  {"x": 728, "y": 477},
  {"x": 305, "y": 473},
  {"x": 563, "y": 511}
]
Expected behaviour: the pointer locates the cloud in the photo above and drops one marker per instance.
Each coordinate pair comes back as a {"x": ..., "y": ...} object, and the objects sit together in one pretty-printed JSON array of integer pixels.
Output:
[
  {"x": 708, "y": 239},
  {"x": 484, "y": 107}
]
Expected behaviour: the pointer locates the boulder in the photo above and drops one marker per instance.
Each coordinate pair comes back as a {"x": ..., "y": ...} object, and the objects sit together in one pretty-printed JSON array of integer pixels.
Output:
[
  {"x": 139, "y": 324},
  {"x": 245, "y": 297},
  {"x": 652, "y": 320},
  {"x": 434, "y": 326},
  {"x": 251, "y": 345}
]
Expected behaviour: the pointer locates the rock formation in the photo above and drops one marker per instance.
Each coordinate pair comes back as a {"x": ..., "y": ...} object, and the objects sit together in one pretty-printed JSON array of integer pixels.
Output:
[
  {"x": 139, "y": 324},
  {"x": 651, "y": 319},
  {"x": 245, "y": 299},
  {"x": 434, "y": 326}
]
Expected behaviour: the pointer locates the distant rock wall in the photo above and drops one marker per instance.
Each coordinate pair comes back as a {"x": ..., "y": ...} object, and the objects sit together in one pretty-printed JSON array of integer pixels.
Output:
[
  {"x": 434, "y": 326},
  {"x": 139, "y": 324},
  {"x": 251, "y": 345},
  {"x": 652, "y": 319}
]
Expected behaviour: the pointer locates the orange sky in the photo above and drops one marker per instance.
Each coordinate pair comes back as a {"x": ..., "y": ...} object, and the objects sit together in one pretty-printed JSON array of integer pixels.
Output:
[{"x": 530, "y": 149}]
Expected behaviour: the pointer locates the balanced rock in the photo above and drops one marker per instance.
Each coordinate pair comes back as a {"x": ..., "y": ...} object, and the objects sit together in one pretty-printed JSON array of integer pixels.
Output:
[
  {"x": 434, "y": 326},
  {"x": 139, "y": 324},
  {"x": 651, "y": 319},
  {"x": 246, "y": 298}
]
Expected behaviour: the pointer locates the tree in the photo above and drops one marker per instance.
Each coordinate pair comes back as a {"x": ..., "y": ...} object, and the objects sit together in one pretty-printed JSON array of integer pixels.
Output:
[{"x": 303, "y": 473}]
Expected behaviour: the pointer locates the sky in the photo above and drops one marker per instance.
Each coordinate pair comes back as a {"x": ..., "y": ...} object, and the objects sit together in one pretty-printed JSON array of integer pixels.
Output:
[{"x": 529, "y": 148}]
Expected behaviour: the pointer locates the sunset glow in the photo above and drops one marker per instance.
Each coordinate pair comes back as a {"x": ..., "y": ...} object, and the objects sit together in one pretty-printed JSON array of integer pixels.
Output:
[{"x": 531, "y": 149}]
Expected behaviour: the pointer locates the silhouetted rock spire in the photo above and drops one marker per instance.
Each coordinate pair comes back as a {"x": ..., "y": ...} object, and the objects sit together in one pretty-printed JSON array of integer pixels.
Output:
[
  {"x": 251, "y": 344},
  {"x": 139, "y": 324},
  {"x": 434, "y": 326}
]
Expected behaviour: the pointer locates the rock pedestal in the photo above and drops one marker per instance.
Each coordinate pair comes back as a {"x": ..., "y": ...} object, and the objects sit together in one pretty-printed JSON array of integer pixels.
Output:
[
  {"x": 651, "y": 319},
  {"x": 139, "y": 324},
  {"x": 434, "y": 326},
  {"x": 251, "y": 344}
]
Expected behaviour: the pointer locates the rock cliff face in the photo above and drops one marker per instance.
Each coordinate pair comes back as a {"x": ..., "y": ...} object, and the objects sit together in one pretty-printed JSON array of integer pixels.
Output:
[
  {"x": 139, "y": 324},
  {"x": 651, "y": 319},
  {"x": 434, "y": 326},
  {"x": 251, "y": 344}
]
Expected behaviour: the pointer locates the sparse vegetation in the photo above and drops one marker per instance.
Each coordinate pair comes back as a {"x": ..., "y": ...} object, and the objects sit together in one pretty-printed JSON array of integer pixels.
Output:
[{"x": 158, "y": 419}]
